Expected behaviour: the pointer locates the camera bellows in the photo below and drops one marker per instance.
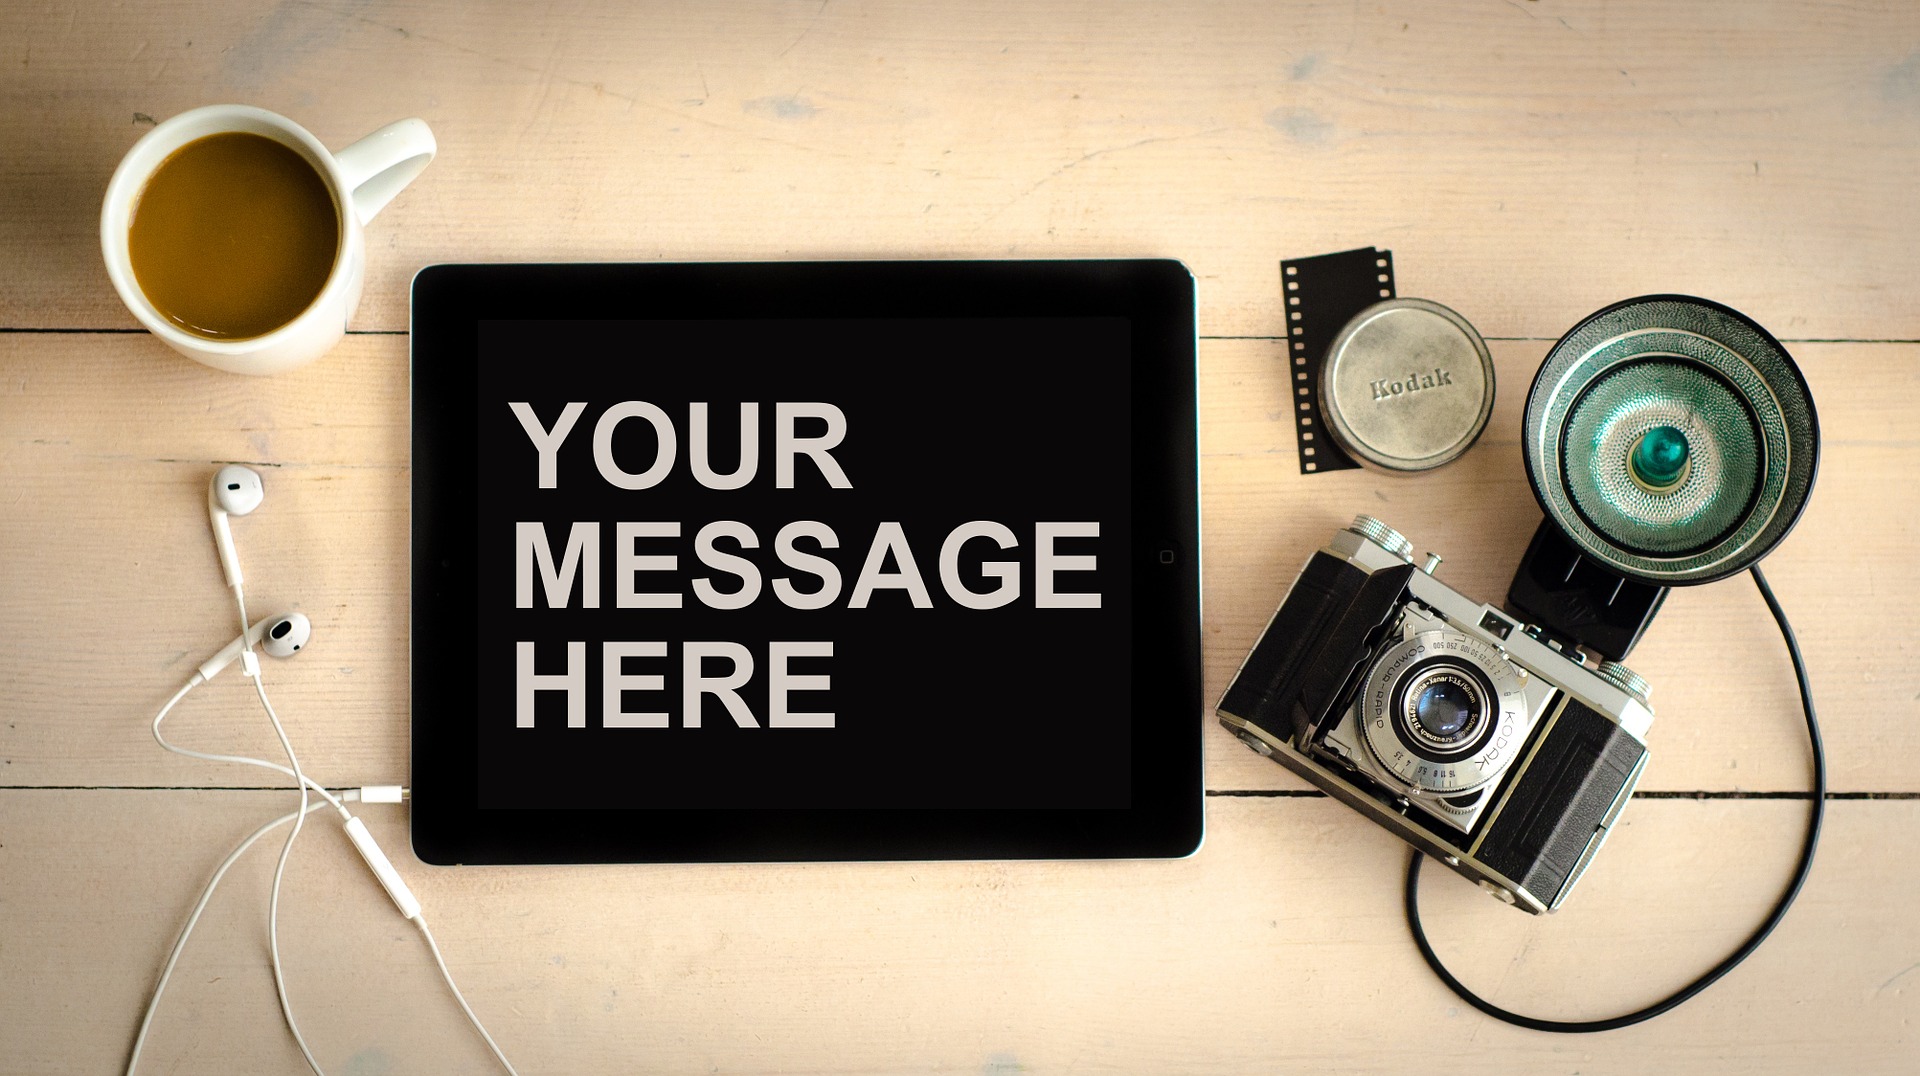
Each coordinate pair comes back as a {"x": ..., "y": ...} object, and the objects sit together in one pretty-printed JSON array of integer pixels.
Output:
[{"x": 1671, "y": 439}]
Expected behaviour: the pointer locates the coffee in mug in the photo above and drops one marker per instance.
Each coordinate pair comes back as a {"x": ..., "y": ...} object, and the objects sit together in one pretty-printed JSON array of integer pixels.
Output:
[{"x": 235, "y": 237}]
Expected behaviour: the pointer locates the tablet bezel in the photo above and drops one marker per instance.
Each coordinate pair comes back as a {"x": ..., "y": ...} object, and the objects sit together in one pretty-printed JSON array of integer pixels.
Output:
[{"x": 1156, "y": 296}]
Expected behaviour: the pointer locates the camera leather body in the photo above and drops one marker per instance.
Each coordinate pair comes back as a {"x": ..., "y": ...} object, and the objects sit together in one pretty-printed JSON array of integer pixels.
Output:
[
  {"x": 1314, "y": 646},
  {"x": 1530, "y": 829}
]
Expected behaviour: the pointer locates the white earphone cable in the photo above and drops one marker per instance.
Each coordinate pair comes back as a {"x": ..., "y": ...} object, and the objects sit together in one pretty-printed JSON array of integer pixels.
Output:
[
  {"x": 421, "y": 922},
  {"x": 208, "y": 756},
  {"x": 327, "y": 798},
  {"x": 236, "y": 490},
  {"x": 351, "y": 795},
  {"x": 193, "y": 919},
  {"x": 251, "y": 666}
]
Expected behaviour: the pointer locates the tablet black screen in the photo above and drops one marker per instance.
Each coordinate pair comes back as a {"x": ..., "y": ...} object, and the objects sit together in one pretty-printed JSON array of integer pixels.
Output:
[
  {"x": 855, "y": 549},
  {"x": 805, "y": 561}
]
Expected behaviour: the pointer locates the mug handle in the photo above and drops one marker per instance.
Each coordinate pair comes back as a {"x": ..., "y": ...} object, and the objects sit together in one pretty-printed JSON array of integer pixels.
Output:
[{"x": 380, "y": 165}]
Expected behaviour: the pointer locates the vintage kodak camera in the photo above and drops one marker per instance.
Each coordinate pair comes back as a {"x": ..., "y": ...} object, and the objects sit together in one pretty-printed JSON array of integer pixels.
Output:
[{"x": 1481, "y": 741}]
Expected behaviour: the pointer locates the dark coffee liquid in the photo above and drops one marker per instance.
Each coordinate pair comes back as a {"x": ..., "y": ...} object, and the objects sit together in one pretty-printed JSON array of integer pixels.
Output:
[{"x": 233, "y": 236}]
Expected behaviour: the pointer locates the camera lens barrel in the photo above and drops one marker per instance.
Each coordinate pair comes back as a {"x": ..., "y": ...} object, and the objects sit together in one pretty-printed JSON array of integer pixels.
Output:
[
  {"x": 1444, "y": 707},
  {"x": 1443, "y": 712}
]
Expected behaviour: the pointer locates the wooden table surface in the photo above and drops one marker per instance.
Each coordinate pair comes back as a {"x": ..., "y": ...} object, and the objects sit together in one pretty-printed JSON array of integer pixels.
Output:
[{"x": 1527, "y": 163}]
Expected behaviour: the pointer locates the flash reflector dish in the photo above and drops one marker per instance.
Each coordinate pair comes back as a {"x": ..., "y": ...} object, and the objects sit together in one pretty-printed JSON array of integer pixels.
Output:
[{"x": 1672, "y": 439}]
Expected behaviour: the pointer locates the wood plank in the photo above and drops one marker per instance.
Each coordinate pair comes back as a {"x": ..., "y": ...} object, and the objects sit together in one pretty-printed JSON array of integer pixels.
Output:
[
  {"x": 114, "y": 585},
  {"x": 1727, "y": 710},
  {"x": 114, "y": 593},
  {"x": 1529, "y": 162},
  {"x": 1279, "y": 947}
]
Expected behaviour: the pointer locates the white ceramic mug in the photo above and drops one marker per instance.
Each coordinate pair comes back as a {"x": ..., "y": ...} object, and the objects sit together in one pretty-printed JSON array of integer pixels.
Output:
[{"x": 362, "y": 179}]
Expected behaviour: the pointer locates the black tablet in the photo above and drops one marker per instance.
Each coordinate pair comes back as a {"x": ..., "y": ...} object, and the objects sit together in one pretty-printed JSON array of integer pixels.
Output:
[{"x": 803, "y": 561}]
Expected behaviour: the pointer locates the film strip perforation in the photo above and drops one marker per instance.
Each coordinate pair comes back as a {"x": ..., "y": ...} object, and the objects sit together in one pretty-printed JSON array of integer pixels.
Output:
[{"x": 1322, "y": 293}]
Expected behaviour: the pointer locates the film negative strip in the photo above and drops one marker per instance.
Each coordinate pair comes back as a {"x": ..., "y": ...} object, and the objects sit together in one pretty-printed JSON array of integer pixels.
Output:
[{"x": 1323, "y": 293}]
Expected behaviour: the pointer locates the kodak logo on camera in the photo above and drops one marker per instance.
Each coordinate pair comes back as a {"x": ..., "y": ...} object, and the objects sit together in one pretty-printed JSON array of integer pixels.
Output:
[{"x": 774, "y": 562}]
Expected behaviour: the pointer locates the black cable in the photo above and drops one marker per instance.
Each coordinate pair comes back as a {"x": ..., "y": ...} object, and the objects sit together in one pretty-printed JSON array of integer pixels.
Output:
[{"x": 1725, "y": 966}]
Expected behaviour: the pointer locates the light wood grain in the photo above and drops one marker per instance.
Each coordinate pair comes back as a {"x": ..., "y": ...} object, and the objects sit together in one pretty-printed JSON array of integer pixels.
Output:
[
  {"x": 1278, "y": 948},
  {"x": 1530, "y": 162},
  {"x": 1527, "y": 162},
  {"x": 132, "y": 561},
  {"x": 1727, "y": 713}
]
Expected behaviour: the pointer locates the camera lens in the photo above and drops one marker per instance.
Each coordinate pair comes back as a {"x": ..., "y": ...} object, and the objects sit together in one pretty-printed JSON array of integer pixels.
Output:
[
  {"x": 1443, "y": 708},
  {"x": 1440, "y": 712}
]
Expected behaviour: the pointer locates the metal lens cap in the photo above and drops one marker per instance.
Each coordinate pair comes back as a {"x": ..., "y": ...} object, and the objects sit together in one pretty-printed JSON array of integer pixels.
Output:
[{"x": 1406, "y": 386}]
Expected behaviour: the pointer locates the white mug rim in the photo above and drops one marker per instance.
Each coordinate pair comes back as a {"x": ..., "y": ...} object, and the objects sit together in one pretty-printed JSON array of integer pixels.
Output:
[{"x": 153, "y": 148}]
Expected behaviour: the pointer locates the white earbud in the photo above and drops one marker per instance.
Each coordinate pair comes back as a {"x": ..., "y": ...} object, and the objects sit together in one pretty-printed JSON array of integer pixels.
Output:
[
  {"x": 235, "y": 490},
  {"x": 280, "y": 636}
]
